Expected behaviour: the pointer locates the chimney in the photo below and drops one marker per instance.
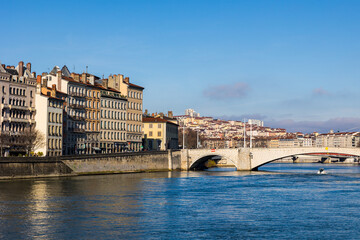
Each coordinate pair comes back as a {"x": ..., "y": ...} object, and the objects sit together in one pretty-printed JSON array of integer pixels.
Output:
[
  {"x": 53, "y": 90},
  {"x": 34, "y": 74},
  {"x": 21, "y": 68},
  {"x": 127, "y": 80},
  {"x": 3, "y": 65},
  {"x": 170, "y": 114},
  {"x": 59, "y": 79},
  {"x": 161, "y": 115},
  {"x": 146, "y": 112},
  {"x": 28, "y": 66},
  {"x": 105, "y": 83},
  {"x": 83, "y": 78},
  {"x": 38, "y": 79}
]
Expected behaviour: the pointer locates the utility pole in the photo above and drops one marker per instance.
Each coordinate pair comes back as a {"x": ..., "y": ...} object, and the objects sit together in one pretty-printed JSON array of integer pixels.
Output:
[
  {"x": 183, "y": 135},
  {"x": 244, "y": 134},
  {"x": 250, "y": 135},
  {"x": 197, "y": 138},
  {"x": 183, "y": 127}
]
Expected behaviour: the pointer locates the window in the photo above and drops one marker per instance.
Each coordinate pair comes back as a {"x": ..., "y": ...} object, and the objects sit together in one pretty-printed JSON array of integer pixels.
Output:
[
  {"x": 159, "y": 134},
  {"x": 159, "y": 125},
  {"x": 150, "y": 134}
]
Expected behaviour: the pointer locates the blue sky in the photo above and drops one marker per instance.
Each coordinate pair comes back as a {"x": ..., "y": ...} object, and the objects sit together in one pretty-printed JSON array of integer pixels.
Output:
[{"x": 293, "y": 64}]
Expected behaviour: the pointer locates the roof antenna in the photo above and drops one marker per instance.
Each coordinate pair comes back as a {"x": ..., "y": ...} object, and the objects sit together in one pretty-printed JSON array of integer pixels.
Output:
[{"x": 86, "y": 69}]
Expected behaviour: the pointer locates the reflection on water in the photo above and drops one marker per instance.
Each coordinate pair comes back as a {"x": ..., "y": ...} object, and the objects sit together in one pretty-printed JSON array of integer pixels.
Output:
[{"x": 279, "y": 201}]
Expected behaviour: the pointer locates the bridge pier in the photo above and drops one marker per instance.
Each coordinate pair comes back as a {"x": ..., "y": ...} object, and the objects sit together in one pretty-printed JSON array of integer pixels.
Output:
[{"x": 244, "y": 159}]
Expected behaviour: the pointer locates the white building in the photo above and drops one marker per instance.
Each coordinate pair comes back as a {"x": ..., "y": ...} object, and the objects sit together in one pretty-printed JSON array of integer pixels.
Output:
[
  {"x": 49, "y": 119},
  {"x": 190, "y": 112},
  {"x": 256, "y": 122}
]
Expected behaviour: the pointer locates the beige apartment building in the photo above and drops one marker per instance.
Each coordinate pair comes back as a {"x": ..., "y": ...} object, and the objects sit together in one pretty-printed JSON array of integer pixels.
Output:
[
  {"x": 134, "y": 95},
  {"x": 113, "y": 120}
]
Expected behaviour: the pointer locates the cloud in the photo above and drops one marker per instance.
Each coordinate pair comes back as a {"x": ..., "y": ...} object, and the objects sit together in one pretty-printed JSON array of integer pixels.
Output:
[
  {"x": 320, "y": 92},
  {"x": 337, "y": 124},
  {"x": 229, "y": 91}
]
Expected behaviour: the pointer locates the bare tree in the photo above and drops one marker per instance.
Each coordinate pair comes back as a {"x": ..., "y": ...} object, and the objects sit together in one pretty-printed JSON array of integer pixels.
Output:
[
  {"x": 32, "y": 139},
  {"x": 4, "y": 142},
  {"x": 190, "y": 138}
]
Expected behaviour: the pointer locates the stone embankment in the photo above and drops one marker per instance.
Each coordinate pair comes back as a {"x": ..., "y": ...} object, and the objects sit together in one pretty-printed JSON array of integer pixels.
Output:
[{"x": 29, "y": 167}]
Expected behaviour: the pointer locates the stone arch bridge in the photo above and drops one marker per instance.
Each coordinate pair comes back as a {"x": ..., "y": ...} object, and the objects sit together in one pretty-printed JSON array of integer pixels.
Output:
[{"x": 252, "y": 158}]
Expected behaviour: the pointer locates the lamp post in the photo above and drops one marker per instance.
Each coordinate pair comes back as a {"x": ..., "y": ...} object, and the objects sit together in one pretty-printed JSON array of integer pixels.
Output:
[
  {"x": 244, "y": 134},
  {"x": 183, "y": 126}
]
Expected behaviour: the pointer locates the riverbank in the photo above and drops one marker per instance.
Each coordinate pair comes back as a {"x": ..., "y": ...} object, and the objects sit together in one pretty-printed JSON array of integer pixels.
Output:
[{"x": 36, "y": 167}]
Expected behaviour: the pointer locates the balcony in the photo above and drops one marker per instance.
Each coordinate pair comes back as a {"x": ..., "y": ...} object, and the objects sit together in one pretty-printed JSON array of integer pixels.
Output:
[
  {"x": 5, "y": 105},
  {"x": 75, "y": 94},
  {"x": 77, "y": 130},
  {"x": 77, "y": 118},
  {"x": 76, "y": 106},
  {"x": 21, "y": 120},
  {"x": 19, "y": 107}
]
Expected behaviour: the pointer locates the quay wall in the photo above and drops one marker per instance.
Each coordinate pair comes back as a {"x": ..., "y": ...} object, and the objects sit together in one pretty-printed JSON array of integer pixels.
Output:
[{"x": 27, "y": 167}]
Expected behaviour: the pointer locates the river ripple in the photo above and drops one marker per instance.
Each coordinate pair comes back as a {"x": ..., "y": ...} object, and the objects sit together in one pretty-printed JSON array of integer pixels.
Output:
[{"x": 282, "y": 201}]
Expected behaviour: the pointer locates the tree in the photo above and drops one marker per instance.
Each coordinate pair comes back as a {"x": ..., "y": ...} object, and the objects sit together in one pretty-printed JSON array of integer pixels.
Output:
[
  {"x": 32, "y": 139},
  {"x": 190, "y": 138},
  {"x": 4, "y": 142}
]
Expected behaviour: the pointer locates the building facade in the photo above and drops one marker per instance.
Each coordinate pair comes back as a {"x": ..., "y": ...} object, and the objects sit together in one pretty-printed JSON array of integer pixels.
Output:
[
  {"x": 18, "y": 87},
  {"x": 160, "y": 134},
  {"x": 49, "y": 119},
  {"x": 113, "y": 121},
  {"x": 134, "y": 95}
]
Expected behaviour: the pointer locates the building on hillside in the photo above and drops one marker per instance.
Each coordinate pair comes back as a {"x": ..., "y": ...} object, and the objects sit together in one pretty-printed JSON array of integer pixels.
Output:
[
  {"x": 214, "y": 143},
  {"x": 191, "y": 112},
  {"x": 49, "y": 118},
  {"x": 339, "y": 139},
  {"x": 134, "y": 95},
  {"x": 256, "y": 122},
  {"x": 160, "y": 134},
  {"x": 18, "y": 87},
  {"x": 113, "y": 120}
]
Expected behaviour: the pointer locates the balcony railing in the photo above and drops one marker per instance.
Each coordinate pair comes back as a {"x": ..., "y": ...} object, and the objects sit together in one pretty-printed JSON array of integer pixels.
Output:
[
  {"x": 77, "y": 118},
  {"x": 77, "y": 130},
  {"x": 75, "y": 94},
  {"x": 77, "y": 106}
]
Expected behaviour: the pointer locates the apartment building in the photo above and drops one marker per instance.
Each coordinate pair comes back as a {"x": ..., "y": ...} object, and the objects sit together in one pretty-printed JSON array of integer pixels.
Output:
[
  {"x": 134, "y": 95},
  {"x": 339, "y": 139},
  {"x": 18, "y": 87},
  {"x": 160, "y": 134},
  {"x": 113, "y": 120},
  {"x": 49, "y": 118}
]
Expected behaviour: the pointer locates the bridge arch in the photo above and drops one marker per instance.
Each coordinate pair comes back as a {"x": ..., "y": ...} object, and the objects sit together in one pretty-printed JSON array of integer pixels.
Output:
[
  {"x": 260, "y": 157},
  {"x": 199, "y": 164}
]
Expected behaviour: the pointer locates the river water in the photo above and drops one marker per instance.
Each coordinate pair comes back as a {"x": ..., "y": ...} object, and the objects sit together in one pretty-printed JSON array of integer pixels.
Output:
[{"x": 281, "y": 201}]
